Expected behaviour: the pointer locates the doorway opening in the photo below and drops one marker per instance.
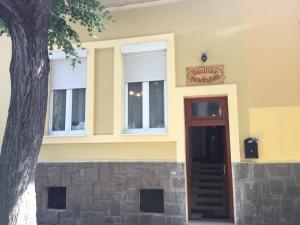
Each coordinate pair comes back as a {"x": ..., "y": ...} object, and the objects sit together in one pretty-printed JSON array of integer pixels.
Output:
[{"x": 208, "y": 160}]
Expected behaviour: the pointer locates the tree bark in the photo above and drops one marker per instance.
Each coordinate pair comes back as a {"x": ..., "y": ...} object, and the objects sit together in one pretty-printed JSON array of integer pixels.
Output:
[{"x": 27, "y": 22}]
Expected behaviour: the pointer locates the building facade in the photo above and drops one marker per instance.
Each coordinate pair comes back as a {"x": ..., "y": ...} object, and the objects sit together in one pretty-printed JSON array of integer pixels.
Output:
[{"x": 129, "y": 141}]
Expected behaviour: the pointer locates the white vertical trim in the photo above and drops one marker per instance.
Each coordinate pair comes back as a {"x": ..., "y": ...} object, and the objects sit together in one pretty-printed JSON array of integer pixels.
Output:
[
  {"x": 166, "y": 104},
  {"x": 68, "y": 119},
  {"x": 126, "y": 107},
  {"x": 142, "y": 5},
  {"x": 145, "y": 103},
  {"x": 171, "y": 85},
  {"x": 90, "y": 93},
  {"x": 50, "y": 112}
]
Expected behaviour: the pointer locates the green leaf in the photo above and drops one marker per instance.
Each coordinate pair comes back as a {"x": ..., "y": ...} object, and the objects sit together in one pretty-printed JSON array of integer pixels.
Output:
[{"x": 88, "y": 13}]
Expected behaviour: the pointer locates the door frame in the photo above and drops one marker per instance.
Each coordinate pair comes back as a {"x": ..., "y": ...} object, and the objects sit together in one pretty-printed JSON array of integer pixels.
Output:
[{"x": 223, "y": 121}]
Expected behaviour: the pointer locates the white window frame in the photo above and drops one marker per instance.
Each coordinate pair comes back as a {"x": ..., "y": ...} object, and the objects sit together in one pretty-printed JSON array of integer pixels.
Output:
[
  {"x": 59, "y": 55},
  {"x": 133, "y": 48},
  {"x": 146, "y": 108},
  {"x": 68, "y": 118}
]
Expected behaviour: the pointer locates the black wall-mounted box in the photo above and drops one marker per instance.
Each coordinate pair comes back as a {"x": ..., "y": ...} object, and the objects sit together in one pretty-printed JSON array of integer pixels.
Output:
[{"x": 251, "y": 149}]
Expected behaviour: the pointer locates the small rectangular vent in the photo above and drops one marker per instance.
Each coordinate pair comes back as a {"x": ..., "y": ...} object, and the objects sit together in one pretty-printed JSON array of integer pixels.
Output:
[
  {"x": 152, "y": 200},
  {"x": 57, "y": 198}
]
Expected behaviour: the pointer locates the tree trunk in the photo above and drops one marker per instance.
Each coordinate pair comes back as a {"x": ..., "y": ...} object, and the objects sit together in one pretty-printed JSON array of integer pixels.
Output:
[{"x": 27, "y": 22}]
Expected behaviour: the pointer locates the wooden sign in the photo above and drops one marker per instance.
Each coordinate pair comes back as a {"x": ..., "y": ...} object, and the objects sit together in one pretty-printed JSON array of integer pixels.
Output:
[{"x": 205, "y": 75}]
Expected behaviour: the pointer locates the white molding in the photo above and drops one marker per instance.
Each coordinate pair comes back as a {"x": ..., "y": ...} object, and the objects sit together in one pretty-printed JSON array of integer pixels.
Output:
[
  {"x": 50, "y": 112},
  {"x": 146, "y": 131},
  {"x": 72, "y": 133},
  {"x": 109, "y": 160},
  {"x": 143, "y": 47},
  {"x": 61, "y": 55},
  {"x": 143, "y": 5},
  {"x": 166, "y": 104},
  {"x": 68, "y": 122},
  {"x": 126, "y": 107},
  {"x": 90, "y": 93},
  {"x": 145, "y": 104}
]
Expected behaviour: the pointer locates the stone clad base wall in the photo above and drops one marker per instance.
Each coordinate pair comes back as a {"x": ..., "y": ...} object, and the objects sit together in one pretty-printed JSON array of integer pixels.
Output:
[
  {"x": 107, "y": 193},
  {"x": 267, "y": 194}
]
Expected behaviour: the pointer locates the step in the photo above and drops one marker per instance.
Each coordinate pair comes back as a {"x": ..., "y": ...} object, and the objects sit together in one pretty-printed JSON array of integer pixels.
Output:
[
  {"x": 207, "y": 168},
  {"x": 207, "y": 176},
  {"x": 209, "y": 192},
  {"x": 208, "y": 184},
  {"x": 218, "y": 207},
  {"x": 209, "y": 204},
  {"x": 196, "y": 216},
  {"x": 208, "y": 195},
  {"x": 208, "y": 187},
  {"x": 219, "y": 200},
  {"x": 210, "y": 213},
  {"x": 201, "y": 219},
  {"x": 207, "y": 165},
  {"x": 209, "y": 210},
  {"x": 208, "y": 171},
  {"x": 209, "y": 180}
]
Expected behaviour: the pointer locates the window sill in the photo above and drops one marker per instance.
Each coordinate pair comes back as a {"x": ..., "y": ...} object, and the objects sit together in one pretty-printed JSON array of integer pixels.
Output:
[
  {"x": 110, "y": 138},
  {"x": 65, "y": 134},
  {"x": 154, "y": 131},
  {"x": 144, "y": 133}
]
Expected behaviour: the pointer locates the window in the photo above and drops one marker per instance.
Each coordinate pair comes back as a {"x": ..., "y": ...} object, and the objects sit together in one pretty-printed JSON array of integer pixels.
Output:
[
  {"x": 205, "y": 109},
  {"x": 145, "y": 87},
  {"x": 57, "y": 198},
  {"x": 152, "y": 200},
  {"x": 67, "y": 97}
]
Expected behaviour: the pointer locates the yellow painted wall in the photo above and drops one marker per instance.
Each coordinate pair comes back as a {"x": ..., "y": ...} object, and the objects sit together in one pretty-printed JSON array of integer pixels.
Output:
[
  {"x": 104, "y": 91},
  {"x": 273, "y": 56},
  {"x": 278, "y": 130},
  {"x": 214, "y": 26},
  {"x": 257, "y": 41},
  {"x": 273, "y": 52},
  {"x": 115, "y": 151}
]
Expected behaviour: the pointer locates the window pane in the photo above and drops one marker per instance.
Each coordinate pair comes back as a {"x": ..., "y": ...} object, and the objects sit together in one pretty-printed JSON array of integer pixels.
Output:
[
  {"x": 78, "y": 109},
  {"x": 206, "y": 109},
  {"x": 156, "y": 104},
  {"x": 135, "y": 105},
  {"x": 59, "y": 110}
]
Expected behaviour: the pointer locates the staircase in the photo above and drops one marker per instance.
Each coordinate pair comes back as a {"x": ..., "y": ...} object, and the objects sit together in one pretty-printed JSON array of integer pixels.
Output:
[{"x": 209, "y": 191}]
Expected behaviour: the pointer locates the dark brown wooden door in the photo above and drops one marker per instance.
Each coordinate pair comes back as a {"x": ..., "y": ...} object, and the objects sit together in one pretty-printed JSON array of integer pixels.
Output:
[{"x": 216, "y": 116}]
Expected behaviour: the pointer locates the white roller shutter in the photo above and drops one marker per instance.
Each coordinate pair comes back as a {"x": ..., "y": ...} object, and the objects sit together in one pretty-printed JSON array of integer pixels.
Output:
[
  {"x": 145, "y": 66},
  {"x": 64, "y": 76}
]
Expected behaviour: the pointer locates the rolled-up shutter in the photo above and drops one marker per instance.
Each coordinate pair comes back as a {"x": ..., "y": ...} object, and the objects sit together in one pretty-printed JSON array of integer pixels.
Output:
[
  {"x": 65, "y": 76},
  {"x": 145, "y": 66}
]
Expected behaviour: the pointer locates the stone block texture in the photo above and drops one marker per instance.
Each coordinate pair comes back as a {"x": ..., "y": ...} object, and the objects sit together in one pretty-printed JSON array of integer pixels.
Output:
[
  {"x": 267, "y": 194},
  {"x": 107, "y": 193}
]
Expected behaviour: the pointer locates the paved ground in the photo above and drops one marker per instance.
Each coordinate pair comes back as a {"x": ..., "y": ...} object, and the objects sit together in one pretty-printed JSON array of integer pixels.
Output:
[{"x": 209, "y": 223}]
